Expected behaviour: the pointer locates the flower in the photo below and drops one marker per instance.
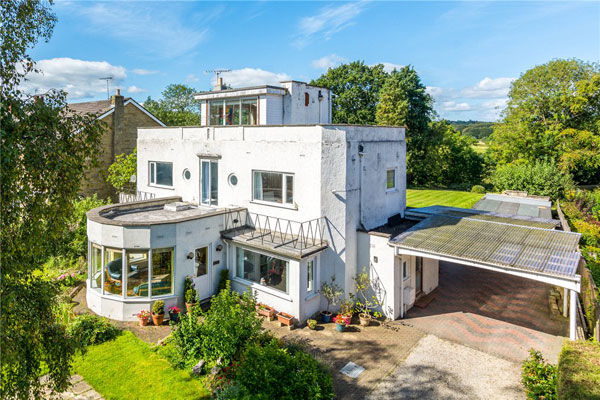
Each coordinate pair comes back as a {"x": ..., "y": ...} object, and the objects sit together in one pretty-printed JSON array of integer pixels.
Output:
[
  {"x": 143, "y": 315},
  {"x": 174, "y": 310},
  {"x": 339, "y": 319}
]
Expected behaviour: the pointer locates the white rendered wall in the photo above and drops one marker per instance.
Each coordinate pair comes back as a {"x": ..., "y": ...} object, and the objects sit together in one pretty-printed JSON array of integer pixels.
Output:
[
  {"x": 296, "y": 112},
  {"x": 431, "y": 274}
]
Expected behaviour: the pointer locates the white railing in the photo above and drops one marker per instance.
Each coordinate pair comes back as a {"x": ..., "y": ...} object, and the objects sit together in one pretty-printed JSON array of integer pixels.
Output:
[{"x": 128, "y": 197}]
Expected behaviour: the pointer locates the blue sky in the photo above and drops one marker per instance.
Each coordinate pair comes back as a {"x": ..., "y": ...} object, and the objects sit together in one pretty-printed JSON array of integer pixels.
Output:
[{"x": 466, "y": 53}]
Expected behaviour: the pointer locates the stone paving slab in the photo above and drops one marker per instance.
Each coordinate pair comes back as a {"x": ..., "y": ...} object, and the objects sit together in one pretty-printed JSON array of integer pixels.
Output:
[{"x": 438, "y": 369}]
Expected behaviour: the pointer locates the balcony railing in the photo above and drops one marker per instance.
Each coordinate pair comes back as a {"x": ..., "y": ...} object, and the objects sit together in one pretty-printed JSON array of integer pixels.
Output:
[
  {"x": 138, "y": 195},
  {"x": 276, "y": 233}
]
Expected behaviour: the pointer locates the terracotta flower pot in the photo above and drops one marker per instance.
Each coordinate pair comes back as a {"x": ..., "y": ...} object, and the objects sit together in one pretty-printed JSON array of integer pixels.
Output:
[
  {"x": 265, "y": 311},
  {"x": 285, "y": 319},
  {"x": 347, "y": 318},
  {"x": 144, "y": 321},
  {"x": 158, "y": 319},
  {"x": 365, "y": 319},
  {"x": 189, "y": 307}
]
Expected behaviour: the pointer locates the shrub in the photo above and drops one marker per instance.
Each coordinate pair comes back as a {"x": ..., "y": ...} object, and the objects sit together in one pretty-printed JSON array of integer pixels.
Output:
[
  {"x": 73, "y": 241},
  {"x": 88, "y": 329},
  {"x": 223, "y": 278},
  {"x": 158, "y": 307},
  {"x": 540, "y": 178},
  {"x": 229, "y": 325},
  {"x": 272, "y": 372},
  {"x": 478, "y": 189},
  {"x": 120, "y": 172},
  {"x": 538, "y": 377}
]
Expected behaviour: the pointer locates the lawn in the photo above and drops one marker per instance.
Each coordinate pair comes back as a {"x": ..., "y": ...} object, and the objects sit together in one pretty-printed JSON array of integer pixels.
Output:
[
  {"x": 480, "y": 147},
  {"x": 127, "y": 368},
  {"x": 579, "y": 371},
  {"x": 451, "y": 198}
]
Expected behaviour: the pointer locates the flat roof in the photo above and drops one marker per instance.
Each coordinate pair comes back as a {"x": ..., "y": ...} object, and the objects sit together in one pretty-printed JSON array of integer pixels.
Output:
[
  {"x": 485, "y": 216},
  {"x": 513, "y": 205},
  {"x": 508, "y": 245}
]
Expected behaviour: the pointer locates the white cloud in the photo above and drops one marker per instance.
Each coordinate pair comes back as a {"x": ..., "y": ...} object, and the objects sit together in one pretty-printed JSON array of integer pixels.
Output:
[
  {"x": 327, "y": 22},
  {"x": 78, "y": 78},
  {"x": 252, "y": 77},
  {"x": 146, "y": 27},
  {"x": 191, "y": 78},
  {"x": 135, "y": 89},
  {"x": 140, "y": 71},
  {"x": 454, "y": 106},
  {"x": 489, "y": 88},
  {"x": 327, "y": 62},
  {"x": 435, "y": 91},
  {"x": 389, "y": 67}
]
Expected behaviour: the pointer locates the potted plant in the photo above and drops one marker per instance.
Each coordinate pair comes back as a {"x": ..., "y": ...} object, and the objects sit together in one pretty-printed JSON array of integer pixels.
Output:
[
  {"x": 158, "y": 312},
  {"x": 347, "y": 309},
  {"x": 143, "y": 317},
  {"x": 364, "y": 303},
  {"x": 332, "y": 293},
  {"x": 312, "y": 324},
  {"x": 340, "y": 323},
  {"x": 265, "y": 311},
  {"x": 174, "y": 314},
  {"x": 189, "y": 294},
  {"x": 285, "y": 319}
]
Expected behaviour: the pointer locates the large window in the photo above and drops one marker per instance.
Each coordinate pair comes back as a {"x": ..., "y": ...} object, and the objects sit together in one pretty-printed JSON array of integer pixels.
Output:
[
  {"x": 210, "y": 182},
  {"x": 275, "y": 187},
  {"x": 113, "y": 271},
  {"x": 391, "y": 179},
  {"x": 234, "y": 111},
  {"x": 162, "y": 271},
  {"x": 161, "y": 173},
  {"x": 96, "y": 266},
  {"x": 137, "y": 274},
  {"x": 265, "y": 270}
]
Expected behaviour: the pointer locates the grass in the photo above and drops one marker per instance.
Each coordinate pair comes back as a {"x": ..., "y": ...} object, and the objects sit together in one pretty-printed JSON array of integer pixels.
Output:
[
  {"x": 127, "y": 368},
  {"x": 480, "y": 147},
  {"x": 579, "y": 371},
  {"x": 451, "y": 198}
]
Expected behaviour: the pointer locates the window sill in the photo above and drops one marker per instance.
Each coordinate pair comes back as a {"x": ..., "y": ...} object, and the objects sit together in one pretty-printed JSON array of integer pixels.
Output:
[
  {"x": 118, "y": 297},
  {"x": 265, "y": 289},
  {"x": 161, "y": 186},
  {"x": 311, "y": 296},
  {"x": 391, "y": 190},
  {"x": 293, "y": 207}
]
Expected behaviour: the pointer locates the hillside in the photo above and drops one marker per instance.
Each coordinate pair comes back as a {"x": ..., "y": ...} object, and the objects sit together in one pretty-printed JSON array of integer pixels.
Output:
[{"x": 477, "y": 129}]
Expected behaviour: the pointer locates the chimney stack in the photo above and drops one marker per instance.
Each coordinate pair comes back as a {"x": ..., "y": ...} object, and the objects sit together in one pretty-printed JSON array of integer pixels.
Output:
[
  {"x": 118, "y": 102},
  {"x": 219, "y": 85}
]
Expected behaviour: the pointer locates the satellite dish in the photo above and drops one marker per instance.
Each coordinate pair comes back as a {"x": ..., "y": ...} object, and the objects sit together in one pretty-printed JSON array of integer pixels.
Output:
[{"x": 133, "y": 179}]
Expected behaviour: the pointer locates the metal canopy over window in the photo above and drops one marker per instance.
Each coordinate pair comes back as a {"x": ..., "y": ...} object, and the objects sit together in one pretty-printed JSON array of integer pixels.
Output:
[{"x": 523, "y": 248}]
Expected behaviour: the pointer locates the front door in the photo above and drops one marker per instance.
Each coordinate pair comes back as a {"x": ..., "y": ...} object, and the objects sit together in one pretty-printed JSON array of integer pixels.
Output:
[
  {"x": 419, "y": 275},
  {"x": 202, "y": 269}
]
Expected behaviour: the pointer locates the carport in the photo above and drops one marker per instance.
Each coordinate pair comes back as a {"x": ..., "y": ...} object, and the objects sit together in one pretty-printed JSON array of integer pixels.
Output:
[{"x": 511, "y": 246}]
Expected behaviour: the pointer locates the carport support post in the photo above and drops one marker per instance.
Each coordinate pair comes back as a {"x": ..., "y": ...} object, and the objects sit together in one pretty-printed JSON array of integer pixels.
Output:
[
  {"x": 572, "y": 312},
  {"x": 565, "y": 301}
]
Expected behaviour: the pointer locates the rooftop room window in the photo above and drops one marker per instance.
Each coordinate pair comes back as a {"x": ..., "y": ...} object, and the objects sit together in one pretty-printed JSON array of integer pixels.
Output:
[
  {"x": 275, "y": 187},
  {"x": 210, "y": 182},
  {"x": 161, "y": 173},
  {"x": 391, "y": 179},
  {"x": 262, "y": 269},
  {"x": 241, "y": 111}
]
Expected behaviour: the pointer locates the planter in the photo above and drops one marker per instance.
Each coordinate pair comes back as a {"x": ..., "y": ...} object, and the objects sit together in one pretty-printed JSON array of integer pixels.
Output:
[
  {"x": 144, "y": 321},
  {"x": 326, "y": 316},
  {"x": 265, "y": 311},
  {"x": 174, "y": 317},
  {"x": 365, "y": 319},
  {"x": 340, "y": 327},
  {"x": 347, "y": 318},
  {"x": 189, "y": 307},
  {"x": 158, "y": 319},
  {"x": 285, "y": 319}
]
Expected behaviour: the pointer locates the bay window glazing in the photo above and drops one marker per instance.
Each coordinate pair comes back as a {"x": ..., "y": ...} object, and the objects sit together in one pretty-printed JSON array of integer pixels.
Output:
[
  {"x": 96, "y": 266},
  {"x": 238, "y": 111},
  {"x": 113, "y": 271},
  {"x": 262, "y": 269},
  {"x": 137, "y": 274},
  {"x": 162, "y": 271}
]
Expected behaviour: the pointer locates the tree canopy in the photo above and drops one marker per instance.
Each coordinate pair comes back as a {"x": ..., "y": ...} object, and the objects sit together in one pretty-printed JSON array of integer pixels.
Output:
[
  {"x": 553, "y": 113},
  {"x": 45, "y": 150},
  {"x": 177, "y": 107},
  {"x": 355, "y": 87}
]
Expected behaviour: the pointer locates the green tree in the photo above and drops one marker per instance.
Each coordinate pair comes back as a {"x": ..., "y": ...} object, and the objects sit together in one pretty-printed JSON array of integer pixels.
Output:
[
  {"x": 121, "y": 171},
  {"x": 355, "y": 87},
  {"x": 553, "y": 113},
  {"x": 45, "y": 150},
  {"x": 177, "y": 107}
]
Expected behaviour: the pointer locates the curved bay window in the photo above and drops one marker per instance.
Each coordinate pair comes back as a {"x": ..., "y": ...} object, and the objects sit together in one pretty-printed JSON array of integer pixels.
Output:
[
  {"x": 262, "y": 269},
  {"x": 131, "y": 269}
]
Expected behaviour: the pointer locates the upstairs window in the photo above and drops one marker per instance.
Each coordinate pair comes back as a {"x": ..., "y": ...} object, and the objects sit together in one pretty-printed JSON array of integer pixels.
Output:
[
  {"x": 391, "y": 179},
  {"x": 210, "y": 182},
  {"x": 242, "y": 111},
  {"x": 161, "y": 173},
  {"x": 275, "y": 187}
]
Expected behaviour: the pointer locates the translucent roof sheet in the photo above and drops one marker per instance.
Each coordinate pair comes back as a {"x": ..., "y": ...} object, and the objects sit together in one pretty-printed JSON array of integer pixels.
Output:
[
  {"x": 494, "y": 242},
  {"x": 511, "y": 205}
]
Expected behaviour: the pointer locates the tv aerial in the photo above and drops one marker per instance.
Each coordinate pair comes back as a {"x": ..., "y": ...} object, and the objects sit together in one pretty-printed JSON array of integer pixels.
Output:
[
  {"x": 217, "y": 72},
  {"x": 107, "y": 79}
]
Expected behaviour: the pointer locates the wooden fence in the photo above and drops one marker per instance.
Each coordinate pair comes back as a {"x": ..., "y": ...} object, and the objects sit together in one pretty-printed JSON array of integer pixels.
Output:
[{"x": 589, "y": 290}]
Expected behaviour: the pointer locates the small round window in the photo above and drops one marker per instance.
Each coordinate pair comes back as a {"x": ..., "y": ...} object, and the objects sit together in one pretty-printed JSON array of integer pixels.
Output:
[
  {"x": 187, "y": 174},
  {"x": 233, "y": 180}
]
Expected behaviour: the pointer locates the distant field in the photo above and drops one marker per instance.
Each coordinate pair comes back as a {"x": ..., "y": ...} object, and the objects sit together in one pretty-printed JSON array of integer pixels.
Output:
[
  {"x": 451, "y": 198},
  {"x": 480, "y": 147}
]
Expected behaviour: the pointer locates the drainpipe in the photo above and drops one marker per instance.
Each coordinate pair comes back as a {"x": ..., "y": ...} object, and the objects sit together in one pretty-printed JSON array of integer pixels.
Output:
[
  {"x": 402, "y": 287},
  {"x": 361, "y": 153}
]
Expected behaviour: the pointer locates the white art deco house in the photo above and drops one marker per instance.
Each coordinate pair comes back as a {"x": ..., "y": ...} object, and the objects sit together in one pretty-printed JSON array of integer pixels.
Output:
[{"x": 270, "y": 190}]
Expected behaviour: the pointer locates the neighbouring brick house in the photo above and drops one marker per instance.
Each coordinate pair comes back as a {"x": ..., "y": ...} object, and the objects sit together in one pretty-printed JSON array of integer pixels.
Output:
[{"x": 122, "y": 116}]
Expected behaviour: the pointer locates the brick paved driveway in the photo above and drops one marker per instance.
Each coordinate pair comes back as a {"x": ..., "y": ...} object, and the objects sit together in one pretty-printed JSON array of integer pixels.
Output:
[{"x": 497, "y": 313}]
